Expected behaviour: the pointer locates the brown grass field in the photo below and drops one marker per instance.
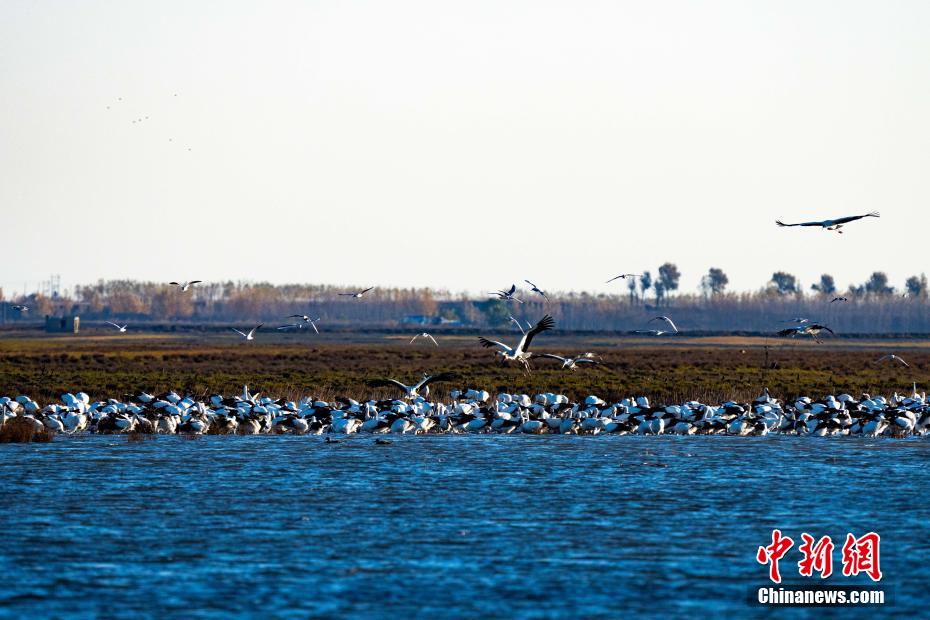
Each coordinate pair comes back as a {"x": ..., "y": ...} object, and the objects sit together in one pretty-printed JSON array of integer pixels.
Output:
[{"x": 669, "y": 369}]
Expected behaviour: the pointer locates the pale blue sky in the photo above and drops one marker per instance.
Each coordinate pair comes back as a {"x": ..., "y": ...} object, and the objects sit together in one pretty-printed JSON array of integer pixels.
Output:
[{"x": 461, "y": 145}]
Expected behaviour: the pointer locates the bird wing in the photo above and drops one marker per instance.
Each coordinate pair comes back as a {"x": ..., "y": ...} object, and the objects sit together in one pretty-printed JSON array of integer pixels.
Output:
[
  {"x": 366, "y": 290},
  {"x": 346, "y": 294},
  {"x": 612, "y": 279},
  {"x": 788, "y": 332},
  {"x": 175, "y": 283},
  {"x": 294, "y": 326},
  {"x": 238, "y": 332},
  {"x": 414, "y": 338},
  {"x": 443, "y": 376},
  {"x": 195, "y": 281},
  {"x": 296, "y": 316},
  {"x": 906, "y": 365},
  {"x": 825, "y": 328},
  {"x": 544, "y": 324},
  {"x": 430, "y": 336},
  {"x": 386, "y": 382},
  {"x": 255, "y": 329},
  {"x": 780, "y": 223},
  {"x": 513, "y": 289},
  {"x": 531, "y": 284},
  {"x": 552, "y": 356},
  {"x": 114, "y": 324},
  {"x": 667, "y": 320},
  {"x": 313, "y": 325},
  {"x": 853, "y": 218},
  {"x": 586, "y": 360},
  {"x": 494, "y": 343}
]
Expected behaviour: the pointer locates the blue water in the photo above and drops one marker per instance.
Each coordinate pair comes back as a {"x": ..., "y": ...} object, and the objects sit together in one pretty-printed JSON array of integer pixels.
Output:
[{"x": 445, "y": 526}]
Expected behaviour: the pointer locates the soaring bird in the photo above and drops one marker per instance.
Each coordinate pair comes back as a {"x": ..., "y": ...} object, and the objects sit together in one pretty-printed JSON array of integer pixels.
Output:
[
  {"x": 667, "y": 320},
  {"x": 832, "y": 224},
  {"x": 508, "y": 295},
  {"x": 357, "y": 294},
  {"x": 411, "y": 391},
  {"x": 121, "y": 328},
  {"x": 892, "y": 357},
  {"x": 623, "y": 276},
  {"x": 306, "y": 319},
  {"x": 537, "y": 290},
  {"x": 183, "y": 286},
  {"x": 839, "y": 299},
  {"x": 809, "y": 329},
  {"x": 426, "y": 335},
  {"x": 571, "y": 363},
  {"x": 251, "y": 334},
  {"x": 521, "y": 352}
]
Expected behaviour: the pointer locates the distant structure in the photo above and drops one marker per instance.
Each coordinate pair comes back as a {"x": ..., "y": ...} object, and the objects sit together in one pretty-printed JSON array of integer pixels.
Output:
[{"x": 62, "y": 324}]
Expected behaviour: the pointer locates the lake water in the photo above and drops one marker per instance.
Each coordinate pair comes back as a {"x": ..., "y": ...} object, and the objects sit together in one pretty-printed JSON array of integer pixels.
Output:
[{"x": 446, "y": 526}]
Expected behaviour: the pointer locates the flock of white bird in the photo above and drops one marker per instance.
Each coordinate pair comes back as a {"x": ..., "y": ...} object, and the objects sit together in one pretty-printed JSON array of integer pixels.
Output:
[{"x": 472, "y": 411}]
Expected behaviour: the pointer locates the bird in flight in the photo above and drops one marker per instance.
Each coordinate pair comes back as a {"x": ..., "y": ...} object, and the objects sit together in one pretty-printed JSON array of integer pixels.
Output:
[
  {"x": 623, "y": 276},
  {"x": 521, "y": 352},
  {"x": 892, "y": 357},
  {"x": 357, "y": 294},
  {"x": 306, "y": 319},
  {"x": 537, "y": 290},
  {"x": 571, "y": 363},
  {"x": 508, "y": 295},
  {"x": 809, "y": 329},
  {"x": 251, "y": 334},
  {"x": 121, "y": 328},
  {"x": 411, "y": 391},
  {"x": 667, "y": 320},
  {"x": 183, "y": 286},
  {"x": 426, "y": 335},
  {"x": 832, "y": 224},
  {"x": 839, "y": 299},
  {"x": 798, "y": 320},
  {"x": 20, "y": 308}
]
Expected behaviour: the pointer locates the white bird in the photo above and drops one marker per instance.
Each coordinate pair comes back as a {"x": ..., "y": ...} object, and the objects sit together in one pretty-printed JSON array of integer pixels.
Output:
[
  {"x": 411, "y": 391},
  {"x": 667, "y": 320},
  {"x": 251, "y": 334},
  {"x": 892, "y": 357},
  {"x": 832, "y": 224},
  {"x": 623, "y": 276},
  {"x": 537, "y": 290},
  {"x": 306, "y": 319},
  {"x": 571, "y": 363},
  {"x": 508, "y": 295},
  {"x": 424, "y": 335},
  {"x": 357, "y": 294},
  {"x": 520, "y": 353},
  {"x": 121, "y": 328},
  {"x": 183, "y": 286}
]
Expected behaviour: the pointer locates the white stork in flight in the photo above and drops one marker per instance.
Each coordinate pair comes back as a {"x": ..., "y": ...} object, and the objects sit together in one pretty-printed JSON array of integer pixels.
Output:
[
  {"x": 356, "y": 294},
  {"x": 521, "y": 352},
  {"x": 426, "y": 335},
  {"x": 832, "y": 224},
  {"x": 809, "y": 329},
  {"x": 508, "y": 295},
  {"x": 251, "y": 334},
  {"x": 894, "y": 358},
  {"x": 184, "y": 286},
  {"x": 411, "y": 391},
  {"x": 571, "y": 363}
]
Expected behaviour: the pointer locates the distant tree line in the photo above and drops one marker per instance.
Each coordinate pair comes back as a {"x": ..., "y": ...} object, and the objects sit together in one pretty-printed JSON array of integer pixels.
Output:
[{"x": 875, "y": 306}]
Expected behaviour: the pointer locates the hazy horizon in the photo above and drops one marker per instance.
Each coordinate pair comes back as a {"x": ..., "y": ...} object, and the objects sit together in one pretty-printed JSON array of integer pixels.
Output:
[{"x": 461, "y": 146}]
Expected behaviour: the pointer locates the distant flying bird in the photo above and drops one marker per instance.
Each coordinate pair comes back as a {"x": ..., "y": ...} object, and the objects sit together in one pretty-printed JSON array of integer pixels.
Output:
[
  {"x": 810, "y": 329},
  {"x": 521, "y": 352},
  {"x": 571, "y": 363},
  {"x": 892, "y": 357},
  {"x": 20, "y": 308},
  {"x": 411, "y": 391},
  {"x": 508, "y": 295},
  {"x": 424, "y": 335},
  {"x": 183, "y": 286},
  {"x": 306, "y": 319},
  {"x": 667, "y": 320},
  {"x": 251, "y": 334},
  {"x": 624, "y": 276},
  {"x": 121, "y": 328},
  {"x": 832, "y": 224},
  {"x": 798, "y": 320},
  {"x": 357, "y": 294},
  {"x": 839, "y": 299},
  {"x": 537, "y": 290}
]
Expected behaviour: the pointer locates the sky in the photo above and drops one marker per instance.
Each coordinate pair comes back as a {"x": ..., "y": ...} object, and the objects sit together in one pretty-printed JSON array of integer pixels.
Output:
[{"x": 461, "y": 145}]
